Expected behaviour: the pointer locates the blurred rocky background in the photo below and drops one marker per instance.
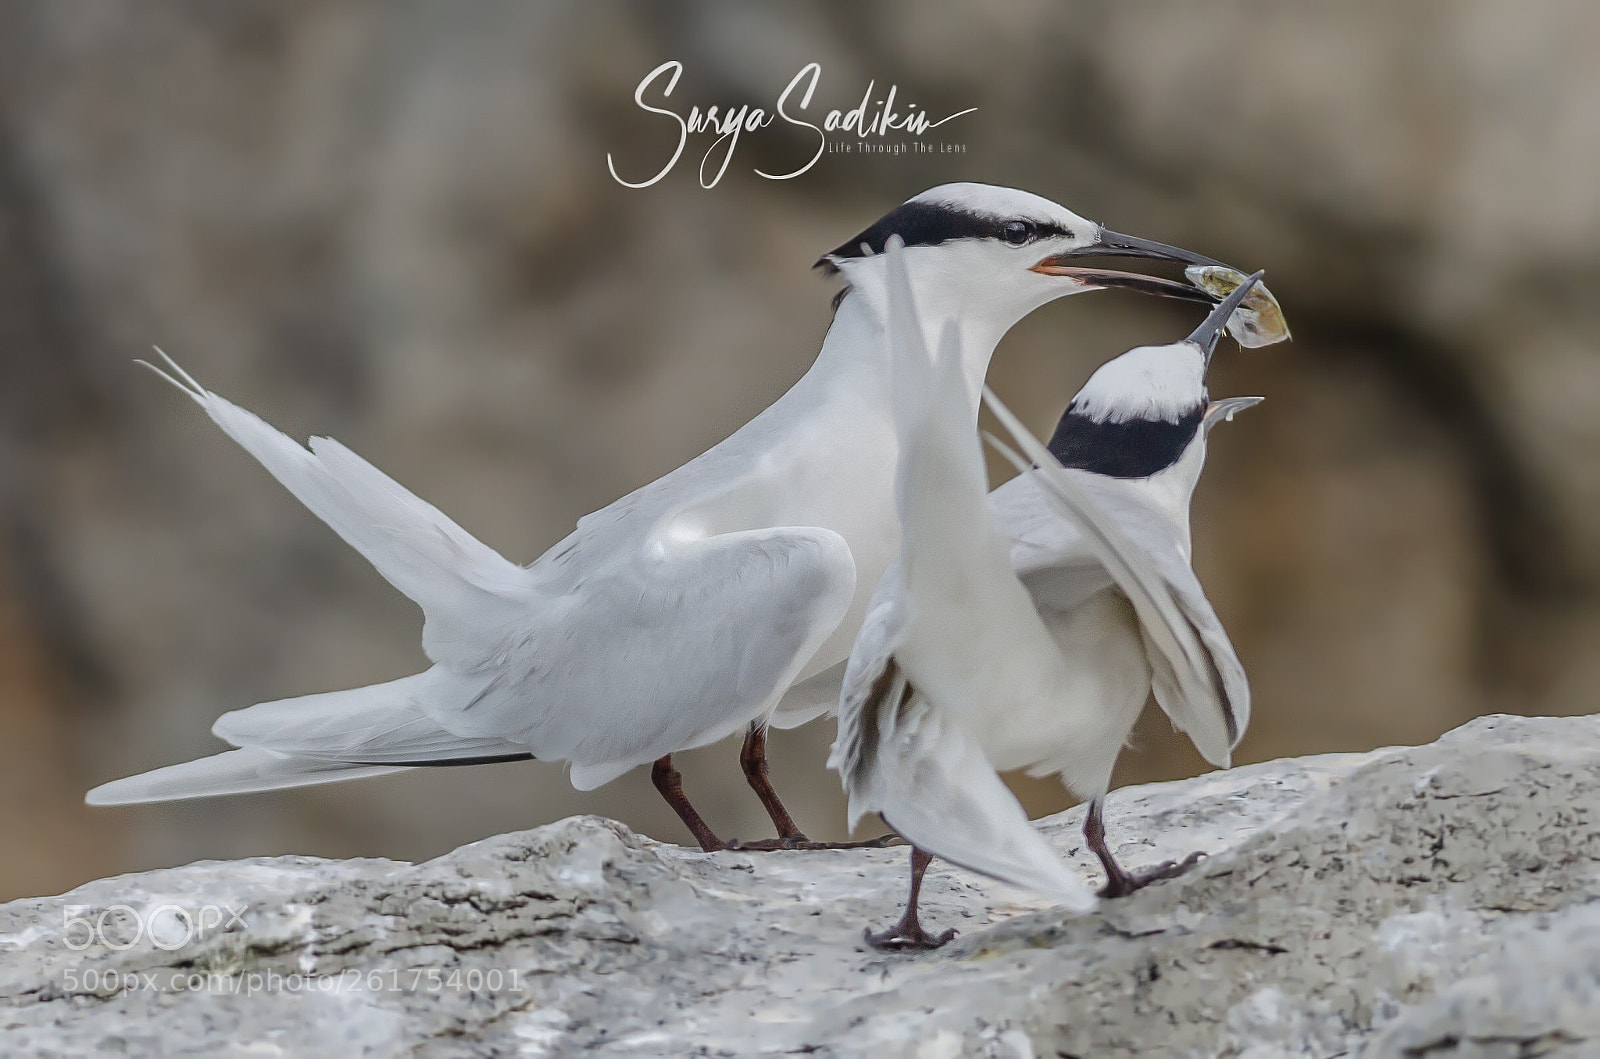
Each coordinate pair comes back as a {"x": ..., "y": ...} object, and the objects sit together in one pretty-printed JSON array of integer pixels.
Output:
[{"x": 393, "y": 223}]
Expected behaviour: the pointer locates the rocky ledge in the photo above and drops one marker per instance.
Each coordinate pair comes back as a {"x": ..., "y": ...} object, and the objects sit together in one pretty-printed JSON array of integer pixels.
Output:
[{"x": 1428, "y": 901}]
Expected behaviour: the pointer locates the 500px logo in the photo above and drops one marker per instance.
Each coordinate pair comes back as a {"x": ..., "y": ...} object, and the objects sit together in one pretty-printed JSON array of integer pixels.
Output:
[{"x": 166, "y": 926}]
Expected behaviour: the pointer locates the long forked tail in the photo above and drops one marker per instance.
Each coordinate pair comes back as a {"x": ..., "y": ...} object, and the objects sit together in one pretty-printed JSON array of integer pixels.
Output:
[{"x": 465, "y": 588}]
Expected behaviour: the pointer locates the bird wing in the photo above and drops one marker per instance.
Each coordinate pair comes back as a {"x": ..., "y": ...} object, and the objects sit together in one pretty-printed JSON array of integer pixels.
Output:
[
  {"x": 378, "y": 724},
  {"x": 243, "y": 771},
  {"x": 913, "y": 760},
  {"x": 669, "y": 646},
  {"x": 467, "y": 591},
  {"x": 1226, "y": 712},
  {"x": 918, "y": 767},
  {"x": 1198, "y": 679},
  {"x": 863, "y": 692},
  {"x": 810, "y": 699},
  {"x": 672, "y": 651},
  {"x": 1050, "y": 555}
]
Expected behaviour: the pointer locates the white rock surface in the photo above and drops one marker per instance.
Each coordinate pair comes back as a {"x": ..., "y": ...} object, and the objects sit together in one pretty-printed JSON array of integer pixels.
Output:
[{"x": 1432, "y": 901}]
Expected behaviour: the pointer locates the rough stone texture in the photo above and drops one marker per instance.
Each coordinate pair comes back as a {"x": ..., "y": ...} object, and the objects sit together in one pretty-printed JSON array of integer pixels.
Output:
[{"x": 1432, "y": 901}]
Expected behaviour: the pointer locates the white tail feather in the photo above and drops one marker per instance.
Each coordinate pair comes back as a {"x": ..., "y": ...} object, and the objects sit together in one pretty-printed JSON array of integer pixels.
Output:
[
  {"x": 935, "y": 788},
  {"x": 467, "y": 591}
]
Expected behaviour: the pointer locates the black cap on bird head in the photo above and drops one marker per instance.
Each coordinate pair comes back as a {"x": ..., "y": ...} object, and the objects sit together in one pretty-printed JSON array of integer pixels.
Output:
[{"x": 1138, "y": 413}]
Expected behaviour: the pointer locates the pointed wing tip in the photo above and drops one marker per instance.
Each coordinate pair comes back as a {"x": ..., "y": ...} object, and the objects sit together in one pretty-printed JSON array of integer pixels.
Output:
[
  {"x": 1079, "y": 899},
  {"x": 142, "y": 789},
  {"x": 1058, "y": 883},
  {"x": 1220, "y": 757},
  {"x": 114, "y": 793},
  {"x": 1073, "y": 893}
]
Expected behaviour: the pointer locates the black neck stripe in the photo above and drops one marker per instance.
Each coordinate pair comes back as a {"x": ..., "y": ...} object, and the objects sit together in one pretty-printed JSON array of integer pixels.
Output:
[
  {"x": 929, "y": 224},
  {"x": 1137, "y": 448}
]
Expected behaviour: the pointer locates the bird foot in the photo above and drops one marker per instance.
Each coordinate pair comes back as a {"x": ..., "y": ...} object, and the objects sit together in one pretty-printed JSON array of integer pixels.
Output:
[
  {"x": 769, "y": 845},
  {"x": 906, "y": 937},
  {"x": 1124, "y": 883},
  {"x": 881, "y": 842}
]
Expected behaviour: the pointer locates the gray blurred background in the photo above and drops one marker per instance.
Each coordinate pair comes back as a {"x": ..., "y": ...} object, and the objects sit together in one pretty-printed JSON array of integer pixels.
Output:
[{"x": 393, "y": 223}]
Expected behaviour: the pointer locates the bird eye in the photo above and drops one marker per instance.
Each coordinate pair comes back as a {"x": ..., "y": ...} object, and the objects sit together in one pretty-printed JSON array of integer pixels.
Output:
[{"x": 1018, "y": 232}]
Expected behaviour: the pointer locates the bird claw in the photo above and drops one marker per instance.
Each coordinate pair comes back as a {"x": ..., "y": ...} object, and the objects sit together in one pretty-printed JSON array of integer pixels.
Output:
[
  {"x": 906, "y": 938},
  {"x": 1128, "y": 883},
  {"x": 881, "y": 842},
  {"x": 768, "y": 845}
]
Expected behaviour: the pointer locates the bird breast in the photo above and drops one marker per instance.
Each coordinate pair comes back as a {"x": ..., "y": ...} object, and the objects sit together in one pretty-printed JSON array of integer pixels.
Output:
[{"x": 1079, "y": 730}]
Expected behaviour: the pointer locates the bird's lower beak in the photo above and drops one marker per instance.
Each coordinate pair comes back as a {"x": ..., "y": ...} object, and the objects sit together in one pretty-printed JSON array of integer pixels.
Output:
[
  {"x": 1110, "y": 279},
  {"x": 1115, "y": 244},
  {"x": 1224, "y": 409}
]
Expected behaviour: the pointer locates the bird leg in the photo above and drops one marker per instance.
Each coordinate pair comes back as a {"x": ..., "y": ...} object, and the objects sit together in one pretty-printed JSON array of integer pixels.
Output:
[
  {"x": 908, "y": 935},
  {"x": 1120, "y": 883},
  {"x": 670, "y": 783},
  {"x": 753, "y": 760}
]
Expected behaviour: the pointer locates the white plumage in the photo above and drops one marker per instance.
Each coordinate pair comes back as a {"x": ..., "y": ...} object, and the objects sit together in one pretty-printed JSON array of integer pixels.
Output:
[
  {"x": 1143, "y": 383},
  {"x": 1027, "y": 631},
  {"x": 610, "y": 666},
  {"x": 680, "y": 614}
]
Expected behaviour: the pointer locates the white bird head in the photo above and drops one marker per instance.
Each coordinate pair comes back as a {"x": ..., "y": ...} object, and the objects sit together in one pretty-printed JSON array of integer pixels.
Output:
[
  {"x": 990, "y": 255},
  {"x": 1144, "y": 411}
]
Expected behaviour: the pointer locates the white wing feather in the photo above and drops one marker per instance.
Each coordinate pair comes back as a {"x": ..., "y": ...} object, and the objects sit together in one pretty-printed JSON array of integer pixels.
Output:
[
  {"x": 810, "y": 699},
  {"x": 233, "y": 772},
  {"x": 916, "y": 766},
  {"x": 650, "y": 651},
  {"x": 898, "y": 753},
  {"x": 467, "y": 591},
  {"x": 673, "y": 649},
  {"x": 378, "y": 724}
]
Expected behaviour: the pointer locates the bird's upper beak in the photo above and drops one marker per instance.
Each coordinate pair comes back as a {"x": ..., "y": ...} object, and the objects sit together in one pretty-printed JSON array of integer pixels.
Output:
[
  {"x": 1224, "y": 409},
  {"x": 1115, "y": 244},
  {"x": 1205, "y": 336}
]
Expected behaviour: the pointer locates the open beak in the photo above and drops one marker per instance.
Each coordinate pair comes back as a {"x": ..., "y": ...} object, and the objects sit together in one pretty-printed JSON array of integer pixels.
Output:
[
  {"x": 1115, "y": 244},
  {"x": 1224, "y": 409},
  {"x": 1205, "y": 336}
]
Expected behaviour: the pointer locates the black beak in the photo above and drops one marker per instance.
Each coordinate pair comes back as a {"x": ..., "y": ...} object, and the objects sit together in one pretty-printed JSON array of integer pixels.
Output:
[
  {"x": 1115, "y": 244},
  {"x": 1210, "y": 330}
]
